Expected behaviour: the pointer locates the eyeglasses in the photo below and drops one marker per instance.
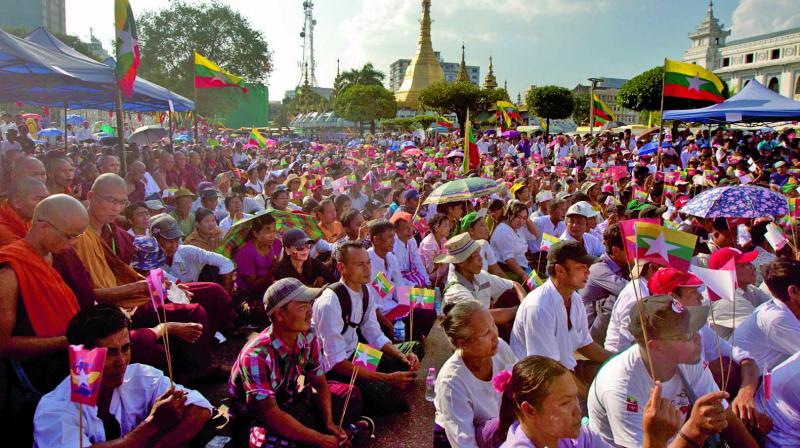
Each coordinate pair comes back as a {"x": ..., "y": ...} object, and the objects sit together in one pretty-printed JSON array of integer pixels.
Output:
[
  {"x": 63, "y": 234},
  {"x": 115, "y": 202}
]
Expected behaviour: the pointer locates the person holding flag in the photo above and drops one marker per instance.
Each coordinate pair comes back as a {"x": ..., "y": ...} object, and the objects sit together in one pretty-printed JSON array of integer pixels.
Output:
[
  {"x": 346, "y": 311},
  {"x": 269, "y": 401},
  {"x": 136, "y": 405}
]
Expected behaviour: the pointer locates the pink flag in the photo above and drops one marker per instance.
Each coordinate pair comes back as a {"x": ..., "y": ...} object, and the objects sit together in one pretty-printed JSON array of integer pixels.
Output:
[
  {"x": 86, "y": 372},
  {"x": 155, "y": 282}
]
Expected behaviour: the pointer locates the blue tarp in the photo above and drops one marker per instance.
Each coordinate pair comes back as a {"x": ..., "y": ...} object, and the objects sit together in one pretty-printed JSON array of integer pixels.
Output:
[
  {"x": 41, "y": 70},
  {"x": 754, "y": 104}
]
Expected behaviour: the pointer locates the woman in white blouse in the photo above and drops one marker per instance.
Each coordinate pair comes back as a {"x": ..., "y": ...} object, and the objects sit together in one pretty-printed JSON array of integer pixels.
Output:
[
  {"x": 508, "y": 243},
  {"x": 467, "y": 406}
]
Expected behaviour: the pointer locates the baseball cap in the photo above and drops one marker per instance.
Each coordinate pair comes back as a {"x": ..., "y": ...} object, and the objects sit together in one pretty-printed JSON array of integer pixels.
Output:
[
  {"x": 459, "y": 248},
  {"x": 209, "y": 193},
  {"x": 471, "y": 217},
  {"x": 295, "y": 237},
  {"x": 400, "y": 215},
  {"x": 582, "y": 208},
  {"x": 544, "y": 196},
  {"x": 588, "y": 186},
  {"x": 165, "y": 226},
  {"x": 154, "y": 204},
  {"x": 568, "y": 250},
  {"x": 667, "y": 279},
  {"x": 722, "y": 256},
  {"x": 410, "y": 194},
  {"x": 664, "y": 317}
]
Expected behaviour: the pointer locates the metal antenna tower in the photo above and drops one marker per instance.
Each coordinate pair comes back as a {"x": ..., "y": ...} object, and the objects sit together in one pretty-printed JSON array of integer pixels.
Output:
[{"x": 308, "y": 45}]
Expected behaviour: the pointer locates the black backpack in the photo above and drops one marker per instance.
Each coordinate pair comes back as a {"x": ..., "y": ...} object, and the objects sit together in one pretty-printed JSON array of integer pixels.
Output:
[{"x": 346, "y": 304}]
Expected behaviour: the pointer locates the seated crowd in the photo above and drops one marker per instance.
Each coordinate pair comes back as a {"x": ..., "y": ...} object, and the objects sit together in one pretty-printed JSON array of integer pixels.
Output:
[{"x": 545, "y": 334}]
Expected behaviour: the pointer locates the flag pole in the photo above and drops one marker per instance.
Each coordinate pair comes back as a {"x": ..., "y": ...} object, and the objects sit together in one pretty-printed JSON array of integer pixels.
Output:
[
  {"x": 349, "y": 392},
  {"x": 120, "y": 129},
  {"x": 661, "y": 116},
  {"x": 80, "y": 425},
  {"x": 194, "y": 83}
]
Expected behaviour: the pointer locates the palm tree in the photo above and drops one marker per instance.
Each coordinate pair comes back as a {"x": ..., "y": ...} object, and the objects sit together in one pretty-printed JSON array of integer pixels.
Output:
[{"x": 367, "y": 75}]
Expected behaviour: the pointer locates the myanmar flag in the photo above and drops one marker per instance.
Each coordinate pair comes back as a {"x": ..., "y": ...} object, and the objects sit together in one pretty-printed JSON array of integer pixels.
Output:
[
  {"x": 208, "y": 75},
  {"x": 684, "y": 81},
  {"x": 508, "y": 112},
  {"x": 472, "y": 158},
  {"x": 664, "y": 246},
  {"x": 444, "y": 122},
  {"x": 257, "y": 139},
  {"x": 127, "y": 46},
  {"x": 602, "y": 113}
]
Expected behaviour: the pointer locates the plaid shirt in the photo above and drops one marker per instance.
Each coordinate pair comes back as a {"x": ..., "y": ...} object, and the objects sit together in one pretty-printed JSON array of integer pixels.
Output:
[{"x": 262, "y": 369}]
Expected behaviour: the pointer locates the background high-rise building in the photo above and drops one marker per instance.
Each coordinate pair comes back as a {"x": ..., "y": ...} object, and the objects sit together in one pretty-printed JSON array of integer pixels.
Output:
[
  {"x": 397, "y": 71},
  {"x": 31, "y": 14}
]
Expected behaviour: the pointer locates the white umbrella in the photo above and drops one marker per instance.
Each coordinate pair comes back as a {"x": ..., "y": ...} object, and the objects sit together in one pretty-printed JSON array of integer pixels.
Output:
[{"x": 146, "y": 135}]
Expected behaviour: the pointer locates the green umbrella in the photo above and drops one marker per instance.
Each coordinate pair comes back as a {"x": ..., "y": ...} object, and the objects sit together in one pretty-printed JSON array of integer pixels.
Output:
[
  {"x": 285, "y": 220},
  {"x": 463, "y": 189}
]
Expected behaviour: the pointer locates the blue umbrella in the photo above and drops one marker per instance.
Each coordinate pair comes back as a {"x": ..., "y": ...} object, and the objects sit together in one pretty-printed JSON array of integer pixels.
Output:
[
  {"x": 74, "y": 119},
  {"x": 407, "y": 143},
  {"x": 739, "y": 201},
  {"x": 50, "y": 132}
]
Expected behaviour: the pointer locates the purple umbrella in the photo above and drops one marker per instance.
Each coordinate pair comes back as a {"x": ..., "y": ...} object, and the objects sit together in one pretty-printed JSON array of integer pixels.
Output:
[
  {"x": 740, "y": 201},
  {"x": 511, "y": 133},
  {"x": 455, "y": 153},
  {"x": 490, "y": 132}
]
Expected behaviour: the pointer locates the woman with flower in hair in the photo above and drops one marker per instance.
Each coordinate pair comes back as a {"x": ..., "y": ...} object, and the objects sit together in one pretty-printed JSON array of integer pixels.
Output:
[
  {"x": 540, "y": 408},
  {"x": 467, "y": 405}
]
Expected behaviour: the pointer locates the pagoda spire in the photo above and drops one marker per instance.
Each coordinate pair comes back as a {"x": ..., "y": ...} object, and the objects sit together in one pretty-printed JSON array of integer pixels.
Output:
[
  {"x": 337, "y": 67},
  {"x": 490, "y": 82},
  {"x": 424, "y": 69},
  {"x": 462, "y": 72}
]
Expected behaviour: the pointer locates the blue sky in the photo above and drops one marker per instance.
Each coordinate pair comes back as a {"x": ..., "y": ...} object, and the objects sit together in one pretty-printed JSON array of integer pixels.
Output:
[{"x": 532, "y": 41}]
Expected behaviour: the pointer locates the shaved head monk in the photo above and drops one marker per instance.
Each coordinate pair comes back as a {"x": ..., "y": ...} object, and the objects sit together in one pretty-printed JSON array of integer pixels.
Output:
[
  {"x": 60, "y": 173},
  {"x": 16, "y": 212},
  {"x": 108, "y": 164},
  {"x": 109, "y": 272},
  {"x": 29, "y": 167},
  {"x": 34, "y": 313}
]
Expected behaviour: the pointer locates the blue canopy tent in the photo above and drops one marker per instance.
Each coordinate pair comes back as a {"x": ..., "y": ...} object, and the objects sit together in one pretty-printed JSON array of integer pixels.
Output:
[
  {"x": 147, "y": 96},
  {"x": 753, "y": 104},
  {"x": 56, "y": 75}
]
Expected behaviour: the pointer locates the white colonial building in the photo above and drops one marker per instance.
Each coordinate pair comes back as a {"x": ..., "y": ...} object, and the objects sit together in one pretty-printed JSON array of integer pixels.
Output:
[{"x": 773, "y": 59}]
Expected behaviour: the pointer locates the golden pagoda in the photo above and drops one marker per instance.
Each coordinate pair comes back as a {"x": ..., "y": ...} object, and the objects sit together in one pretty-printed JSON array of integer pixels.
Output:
[
  {"x": 490, "y": 82},
  {"x": 424, "y": 69}
]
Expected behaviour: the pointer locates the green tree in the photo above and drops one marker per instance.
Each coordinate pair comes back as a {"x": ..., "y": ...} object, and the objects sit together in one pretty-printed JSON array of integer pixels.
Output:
[
  {"x": 425, "y": 120},
  {"x": 550, "y": 102},
  {"x": 643, "y": 91},
  {"x": 360, "y": 103},
  {"x": 169, "y": 37},
  {"x": 456, "y": 97},
  {"x": 366, "y": 75},
  {"x": 581, "y": 114}
]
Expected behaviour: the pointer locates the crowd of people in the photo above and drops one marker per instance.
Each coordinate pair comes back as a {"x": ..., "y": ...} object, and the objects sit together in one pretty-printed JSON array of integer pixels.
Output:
[{"x": 559, "y": 339}]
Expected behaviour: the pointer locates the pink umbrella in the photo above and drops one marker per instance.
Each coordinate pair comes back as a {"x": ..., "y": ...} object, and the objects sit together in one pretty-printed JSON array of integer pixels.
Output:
[{"x": 413, "y": 151}]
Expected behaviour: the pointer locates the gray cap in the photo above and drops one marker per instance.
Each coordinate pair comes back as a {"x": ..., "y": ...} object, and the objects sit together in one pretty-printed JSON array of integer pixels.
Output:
[
  {"x": 666, "y": 318},
  {"x": 165, "y": 226},
  {"x": 209, "y": 193},
  {"x": 287, "y": 290}
]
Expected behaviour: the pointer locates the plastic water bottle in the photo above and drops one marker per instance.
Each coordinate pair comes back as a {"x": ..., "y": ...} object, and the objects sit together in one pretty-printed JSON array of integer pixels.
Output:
[
  {"x": 430, "y": 382},
  {"x": 399, "y": 331},
  {"x": 438, "y": 301}
]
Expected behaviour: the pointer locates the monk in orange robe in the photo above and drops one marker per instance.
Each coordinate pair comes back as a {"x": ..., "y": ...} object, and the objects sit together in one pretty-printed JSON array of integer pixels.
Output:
[{"x": 16, "y": 211}]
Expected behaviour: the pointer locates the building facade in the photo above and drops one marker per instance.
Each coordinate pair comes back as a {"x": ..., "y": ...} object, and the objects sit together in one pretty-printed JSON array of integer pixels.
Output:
[
  {"x": 31, "y": 14},
  {"x": 607, "y": 90},
  {"x": 397, "y": 71},
  {"x": 772, "y": 59}
]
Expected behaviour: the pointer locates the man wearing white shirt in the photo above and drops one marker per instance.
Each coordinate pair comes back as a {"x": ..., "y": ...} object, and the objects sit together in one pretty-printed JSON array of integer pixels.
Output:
[
  {"x": 783, "y": 406},
  {"x": 618, "y": 336},
  {"x": 483, "y": 144},
  {"x": 552, "y": 223},
  {"x": 552, "y": 319},
  {"x": 339, "y": 332},
  {"x": 84, "y": 133},
  {"x": 772, "y": 333},
  {"x": 137, "y": 405},
  {"x": 673, "y": 349},
  {"x": 577, "y": 228},
  {"x": 383, "y": 260},
  {"x": 406, "y": 251}
]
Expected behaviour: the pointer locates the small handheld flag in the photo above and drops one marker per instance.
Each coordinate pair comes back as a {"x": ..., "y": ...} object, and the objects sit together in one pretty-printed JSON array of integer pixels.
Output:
[
  {"x": 640, "y": 195},
  {"x": 155, "y": 282},
  {"x": 422, "y": 298},
  {"x": 664, "y": 246},
  {"x": 382, "y": 285},
  {"x": 767, "y": 386},
  {"x": 534, "y": 281},
  {"x": 367, "y": 357},
  {"x": 775, "y": 237},
  {"x": 86, "y": 372},
  {"x": 548, "y": 241},
  {"x": 629, "y": 234}
]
